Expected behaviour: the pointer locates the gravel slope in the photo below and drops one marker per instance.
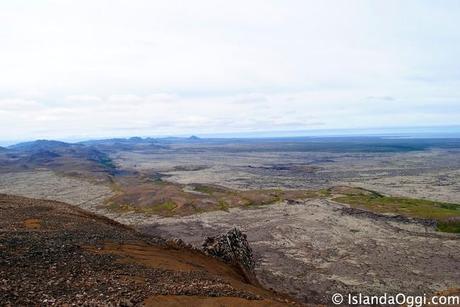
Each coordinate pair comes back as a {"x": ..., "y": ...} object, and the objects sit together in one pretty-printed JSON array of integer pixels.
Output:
[{"x": 55, "y": 254}]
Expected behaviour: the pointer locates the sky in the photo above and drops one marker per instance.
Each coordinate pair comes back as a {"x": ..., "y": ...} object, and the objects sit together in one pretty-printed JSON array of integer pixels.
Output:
[{"x": 88, "y": 69}]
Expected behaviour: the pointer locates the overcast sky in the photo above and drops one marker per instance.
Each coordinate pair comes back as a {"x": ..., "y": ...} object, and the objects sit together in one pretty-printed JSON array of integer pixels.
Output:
[{"x": 122, "y": 68}]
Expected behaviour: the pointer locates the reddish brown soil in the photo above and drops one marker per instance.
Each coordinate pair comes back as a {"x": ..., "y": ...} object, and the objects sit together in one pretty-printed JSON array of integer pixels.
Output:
[
  {"x": 56, "y": 254},
  {"x": 202, "y": 301}
]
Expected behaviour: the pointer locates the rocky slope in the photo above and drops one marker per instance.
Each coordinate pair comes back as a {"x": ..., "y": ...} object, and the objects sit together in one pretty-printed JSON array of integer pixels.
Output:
[{"x": 55, "y": 254}]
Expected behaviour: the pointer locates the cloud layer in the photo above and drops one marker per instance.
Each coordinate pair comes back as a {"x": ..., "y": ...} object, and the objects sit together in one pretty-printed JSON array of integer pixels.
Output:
[{"x": 102, "y": 68}]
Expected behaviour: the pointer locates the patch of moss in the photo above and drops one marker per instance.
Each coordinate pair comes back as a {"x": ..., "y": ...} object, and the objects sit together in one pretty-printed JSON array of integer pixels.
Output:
[
  {"x": 277, "y": 195},
  {"x": 448, "y": 206},
  {"x": 222, "y": 205},
  {"x": 249, "y": 203},
  {"x": 121, "y": 208},
  {"x": 453, "y": 227},
  {"x": 204, "y": 189},
  {"x": 166, "y": 208},
  {"x": 418, "y": 208},
  {"x": 310, "y": 194},
  {"x": 324, "y": 193}
]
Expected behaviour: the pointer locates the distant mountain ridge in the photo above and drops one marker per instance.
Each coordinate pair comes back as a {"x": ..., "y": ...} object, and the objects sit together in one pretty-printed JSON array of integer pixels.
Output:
[
  {"x": 39, "y": 145},
  {"x": 68, "y": 158},
  {"x": 134, "y": 139},
  {"x": 317, "y": 144},
  {"x": 42, "y": 156},
  {"x": 44, "y": 144}
]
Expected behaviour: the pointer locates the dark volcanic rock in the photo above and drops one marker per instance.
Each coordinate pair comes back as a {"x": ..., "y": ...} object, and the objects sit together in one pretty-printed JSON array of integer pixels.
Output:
[
  {"x": 233, "y": 248},
  {"x": 394, "y": 218},
  {"x": 42, "y": 156}
]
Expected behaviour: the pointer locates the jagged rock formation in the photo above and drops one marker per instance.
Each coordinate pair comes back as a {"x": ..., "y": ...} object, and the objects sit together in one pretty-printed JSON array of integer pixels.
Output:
[{"x": 233, "y": 248}]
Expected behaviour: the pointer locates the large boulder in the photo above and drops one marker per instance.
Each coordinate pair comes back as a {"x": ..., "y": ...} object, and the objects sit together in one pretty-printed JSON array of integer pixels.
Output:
[{"x": 232, "y": 248}]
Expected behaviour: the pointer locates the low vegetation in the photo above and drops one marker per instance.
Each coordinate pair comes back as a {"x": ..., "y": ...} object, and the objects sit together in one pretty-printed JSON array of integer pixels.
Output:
[
  {"x": 446, "y": 215},
  {"x": 167, "y": 198}
]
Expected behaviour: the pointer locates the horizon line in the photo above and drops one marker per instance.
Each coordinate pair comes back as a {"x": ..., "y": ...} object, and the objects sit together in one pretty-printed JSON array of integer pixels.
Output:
[{"x": 414, "y": 131}]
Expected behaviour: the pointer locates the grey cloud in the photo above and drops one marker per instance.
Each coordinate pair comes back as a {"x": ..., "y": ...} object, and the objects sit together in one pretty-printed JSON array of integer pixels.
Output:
[{"x": 386, "y": 98}]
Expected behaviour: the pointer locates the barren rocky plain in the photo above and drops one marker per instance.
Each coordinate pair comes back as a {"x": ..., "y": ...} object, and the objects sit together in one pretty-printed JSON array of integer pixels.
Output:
[
  {"x": 432, "y": 173},
  {"x": 321, "y": 215}
]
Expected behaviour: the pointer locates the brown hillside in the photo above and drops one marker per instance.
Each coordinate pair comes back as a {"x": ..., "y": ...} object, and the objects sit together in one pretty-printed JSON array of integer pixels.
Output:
[{"x": 56, "y": 254}]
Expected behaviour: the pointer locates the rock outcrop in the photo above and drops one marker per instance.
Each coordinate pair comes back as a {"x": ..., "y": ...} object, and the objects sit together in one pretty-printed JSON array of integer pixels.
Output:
[
  {"x": 233, "y": 248},
  {"x": 54, "y": 254}
]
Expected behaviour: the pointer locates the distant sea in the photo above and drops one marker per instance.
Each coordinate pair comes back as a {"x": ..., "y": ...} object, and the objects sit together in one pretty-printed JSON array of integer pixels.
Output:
[
  {"x": 391, "y": 133},
  {"x": 394, "y": 132}
]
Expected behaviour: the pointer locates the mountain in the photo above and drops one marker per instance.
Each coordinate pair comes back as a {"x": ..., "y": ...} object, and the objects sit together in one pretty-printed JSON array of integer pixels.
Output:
[
  {"x": 131, "y": 140},
  {"x": 42, "y": 156},
  {"x": 40, "y": 145},
  {"x": 58, "y": 254},
  {"x": 116, "y": 144},
  {"x": 72, "y": 159}
]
